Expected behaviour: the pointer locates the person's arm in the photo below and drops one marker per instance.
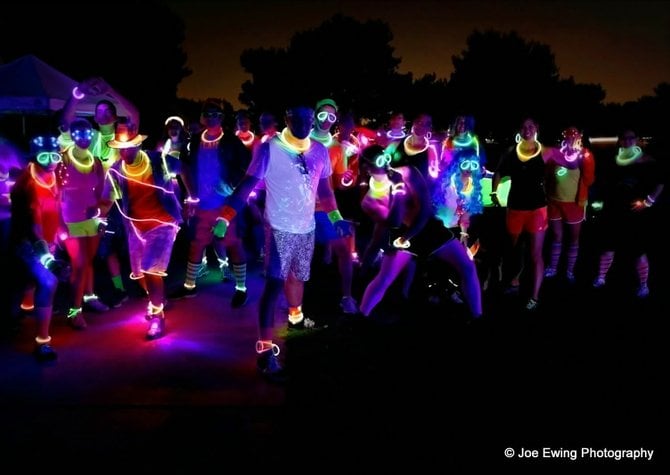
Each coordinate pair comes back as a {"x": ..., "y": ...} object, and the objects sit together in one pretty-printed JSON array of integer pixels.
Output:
[
  {"x": 497, "y": 178},
  {"x": 341, "y": 174},
  {"x": 495, "y": 181},
  {"x": 418, "y": 184},
  {"x": 650, "y": 199},
  {"x": 110, "y": 192},
  {"x": 100, "y": 87},
  {"x": 238, "y": 200},
  {"x": 588, "y": 172},
  {"x": 329, "y": 205},
  {"x": 464, "y": 225},
  {"x": 185, "y": 177}
]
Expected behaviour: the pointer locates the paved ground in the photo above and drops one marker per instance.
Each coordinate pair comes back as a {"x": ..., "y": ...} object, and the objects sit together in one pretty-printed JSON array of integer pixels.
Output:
[{"x": 419, "y": 386}]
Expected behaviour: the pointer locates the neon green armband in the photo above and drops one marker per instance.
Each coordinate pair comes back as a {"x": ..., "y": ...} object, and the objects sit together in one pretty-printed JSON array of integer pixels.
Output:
[{"x": 335, "y": 216}]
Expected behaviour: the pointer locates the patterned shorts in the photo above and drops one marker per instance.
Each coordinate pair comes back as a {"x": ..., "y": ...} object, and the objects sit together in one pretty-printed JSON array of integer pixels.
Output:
[
  {"x": 288, "y": 252},
  {"x": 150, "y": 251}
]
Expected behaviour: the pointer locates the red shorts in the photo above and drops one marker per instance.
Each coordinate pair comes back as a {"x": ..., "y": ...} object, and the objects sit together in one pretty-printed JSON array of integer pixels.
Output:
[
  {"x": 568, "y": 211},
  {"x": 531, "y": 221}
]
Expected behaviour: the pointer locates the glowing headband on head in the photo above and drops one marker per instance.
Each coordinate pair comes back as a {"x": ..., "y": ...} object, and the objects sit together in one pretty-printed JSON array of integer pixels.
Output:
[{"x": 174, "y": 117}]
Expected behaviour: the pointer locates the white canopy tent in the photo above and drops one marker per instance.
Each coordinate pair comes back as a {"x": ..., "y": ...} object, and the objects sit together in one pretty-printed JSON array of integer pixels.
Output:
[{"x": 29, "y": 86}]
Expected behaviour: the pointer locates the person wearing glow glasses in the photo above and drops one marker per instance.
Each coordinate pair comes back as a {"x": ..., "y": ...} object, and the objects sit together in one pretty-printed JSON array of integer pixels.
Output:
[
  {"x": 47, "y": 158},
  {"x": 36, "y": 218},
  {"x": 415, "y": 232},
  {"x": 296, "y": 169},
  {"x": 82, "y": 178},
  {"x": 342, "y": 178},
  {"x": 462, "y": 137}
]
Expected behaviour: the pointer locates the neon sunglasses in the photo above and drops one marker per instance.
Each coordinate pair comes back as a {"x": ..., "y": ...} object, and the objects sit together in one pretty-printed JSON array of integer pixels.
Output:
[
  {"x": 471, "y": 165},
  {"x": 325, "y": 115},
  {"x": 45, "y": 158},
  {"x": 383, "y": 160}
]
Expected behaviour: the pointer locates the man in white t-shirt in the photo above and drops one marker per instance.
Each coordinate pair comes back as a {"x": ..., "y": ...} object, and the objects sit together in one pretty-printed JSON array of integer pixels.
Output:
[{"x": 295, "y": 170}]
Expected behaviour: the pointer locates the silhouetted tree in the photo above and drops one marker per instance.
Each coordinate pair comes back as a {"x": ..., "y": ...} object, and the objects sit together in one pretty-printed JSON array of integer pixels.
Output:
[
  {"x": 347, "y": 60},
  {"x": 500, "y": 78}
]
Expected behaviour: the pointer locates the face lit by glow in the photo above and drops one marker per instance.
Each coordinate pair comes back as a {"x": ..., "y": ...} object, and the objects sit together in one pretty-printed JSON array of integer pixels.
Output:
[
  {"x": 104, "y": 114},
  {"x": 82, "y": 136},
  {"x": 422, "y": 125},
  {"x": 326, "y": 117},
  {"x": 628, "y": 139},
  {"x": 299, "y": 121},
  {"x": 49, "y": 160},
  {"x": 129, "y": 154},
  {"x": 460, "y": 126},
  {"x": 173, "y": 129},
  {"x": 528, "y": 130},
  {"x": 243, "y": 124},
  {"x": 469, "y": 166},
  {"x": 397, "y": 121},
  {"x": 211, "y": 118}
]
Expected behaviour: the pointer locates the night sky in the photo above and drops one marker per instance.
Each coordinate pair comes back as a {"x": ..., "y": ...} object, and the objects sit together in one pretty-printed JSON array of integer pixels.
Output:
[{"x": 622, "y": 45}]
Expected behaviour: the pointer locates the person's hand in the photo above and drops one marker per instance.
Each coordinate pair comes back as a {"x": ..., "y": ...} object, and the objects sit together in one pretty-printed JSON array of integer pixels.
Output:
[
  {"x": 401, "y": 243},
  {"x": 343, "y": 228},
  {"x": 96, "y": 86},
  {"x": 464, "y": 238},
  {"x": 92, "y": 212},
  {"x": 640, "y": 205},
  {"x": 102, "y": 225},
  {"x": 347, "y": 178},
  {"x": 495, "y": 200},
  {"x": 220, "y": 228}
]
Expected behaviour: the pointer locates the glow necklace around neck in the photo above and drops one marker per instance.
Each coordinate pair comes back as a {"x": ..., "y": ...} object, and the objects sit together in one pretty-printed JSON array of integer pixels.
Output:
[
  {"x": 466, "y": 140},
  {"x": 204, "y": 138},
  {"x": 82, "y": 167},
  {"x": 326, "y": 140},
  {"x": 294, "y": 144},
  {"x": 523, "y": 157},
  {"x": 248, "y": 137},
  {"x": 414, "y": 151},
  {"x": 396, "y": 135},
  {"x": 38, "y": 180},
  {"x": 628, "y": 155},
  {"x": 131, "y": 170}
]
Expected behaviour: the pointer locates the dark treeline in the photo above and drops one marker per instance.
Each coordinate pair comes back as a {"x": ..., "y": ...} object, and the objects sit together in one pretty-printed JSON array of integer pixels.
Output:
[{"x": 499, "y": 78}]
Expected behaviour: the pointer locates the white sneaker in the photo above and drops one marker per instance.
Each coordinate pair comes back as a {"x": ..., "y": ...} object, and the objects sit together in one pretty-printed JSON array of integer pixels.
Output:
[
  {"x": 348, "y": 305},
  {"x": 643, "y": 291},
  {"x": 550, "y": 272},
  {"x": 93, "y": 304},
  {"x": 599, "y": 282}
]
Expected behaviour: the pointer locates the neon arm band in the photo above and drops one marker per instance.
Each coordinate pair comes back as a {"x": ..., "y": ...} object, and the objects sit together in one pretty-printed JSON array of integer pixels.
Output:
[
  {"x": 335, "y": 216},
  {"x": 228, "y": 213}
]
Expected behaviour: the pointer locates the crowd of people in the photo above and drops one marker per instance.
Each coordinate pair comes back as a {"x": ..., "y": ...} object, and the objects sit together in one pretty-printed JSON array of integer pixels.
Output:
[{"x": 90, "y": 190}]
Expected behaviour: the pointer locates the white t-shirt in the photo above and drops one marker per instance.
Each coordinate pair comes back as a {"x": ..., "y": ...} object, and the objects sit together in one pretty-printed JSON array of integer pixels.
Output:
[{"x": 291, "y": 194}]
